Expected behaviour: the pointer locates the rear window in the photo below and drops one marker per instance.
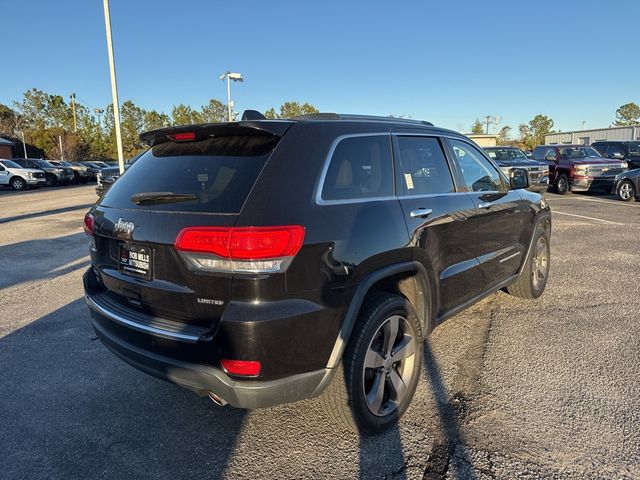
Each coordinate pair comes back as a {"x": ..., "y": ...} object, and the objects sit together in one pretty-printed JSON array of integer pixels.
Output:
[{"x": 212, "y": 175}]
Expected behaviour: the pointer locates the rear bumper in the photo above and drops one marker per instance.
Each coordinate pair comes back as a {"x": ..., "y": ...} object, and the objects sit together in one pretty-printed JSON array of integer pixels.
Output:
[
  {"x": 187, "y": 357},
  {"x": 203, "y": 379}
]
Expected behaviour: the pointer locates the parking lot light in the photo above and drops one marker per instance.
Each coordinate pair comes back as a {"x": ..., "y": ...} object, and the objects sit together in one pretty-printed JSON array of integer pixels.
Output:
[
  {"x": 236, "y": 77},
  {"x": 114, "y": 86}
]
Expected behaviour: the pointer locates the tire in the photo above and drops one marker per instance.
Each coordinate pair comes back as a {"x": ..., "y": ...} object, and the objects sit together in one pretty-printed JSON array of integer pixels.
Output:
[
  {"x": 76, "y": 178},
  {"x": 83, "y": 180},
  {"x": 535, "y": 273},
  {"x": 562, "y": 184},
  {"x": 18, "y": 183},
  {"x": 626, "y": 191},
  {"x": 50, "y": 180},
  {"x": 352, "y": 398}
]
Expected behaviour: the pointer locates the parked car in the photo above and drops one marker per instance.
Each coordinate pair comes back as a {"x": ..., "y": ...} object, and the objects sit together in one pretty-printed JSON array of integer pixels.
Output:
[
  {"x": 80, "y": 173},
  {"x": 19, "y": 178},
  {"x": 224, "y": 263},
  {"x": 627, "y": 185},
  {"x": 628, "y": 151},
  {"x": 109, "y": 175},
  {"x": 92, "y": 170},
  {"x": 53, "y": 175},
  {"x": 578, "y": 168},
  {"x": 512, "y": 157}
]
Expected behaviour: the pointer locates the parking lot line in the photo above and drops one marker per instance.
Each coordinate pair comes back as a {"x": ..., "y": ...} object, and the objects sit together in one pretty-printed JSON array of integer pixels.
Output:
[
  {"x": 607, "y": 202},
  {"x": 588, "y": 218}
]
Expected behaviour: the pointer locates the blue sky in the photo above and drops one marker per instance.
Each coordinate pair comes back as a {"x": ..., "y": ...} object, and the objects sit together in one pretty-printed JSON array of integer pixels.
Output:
[{"x": 447, "y": 62}]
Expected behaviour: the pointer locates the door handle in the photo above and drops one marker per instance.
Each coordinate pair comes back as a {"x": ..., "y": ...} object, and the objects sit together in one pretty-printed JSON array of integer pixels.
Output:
[
  {"x": 485, "y": 205},
  {"x": 420, "y": 212}
]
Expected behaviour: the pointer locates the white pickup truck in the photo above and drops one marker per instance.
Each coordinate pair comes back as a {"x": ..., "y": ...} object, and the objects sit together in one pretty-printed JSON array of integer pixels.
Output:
[{"x": 13, "y": 175}]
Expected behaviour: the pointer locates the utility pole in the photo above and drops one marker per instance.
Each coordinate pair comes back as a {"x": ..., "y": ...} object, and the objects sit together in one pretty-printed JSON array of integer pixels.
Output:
[
  {"x": 24, "y": 145},
  {"x": 73, "y": 109},
  {"x": 114, "y": 85},
  {"x": 60, "y": 143},
  {"x": 488, "y": 118}
]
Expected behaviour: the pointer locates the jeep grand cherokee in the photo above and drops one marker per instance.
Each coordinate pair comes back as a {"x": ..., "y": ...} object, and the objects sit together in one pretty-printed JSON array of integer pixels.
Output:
[{"x": 268, "y": 261}]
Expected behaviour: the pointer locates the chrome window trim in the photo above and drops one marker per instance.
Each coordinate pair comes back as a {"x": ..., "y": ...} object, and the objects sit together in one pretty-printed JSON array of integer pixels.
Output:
[{"x": 348, "y": 201}]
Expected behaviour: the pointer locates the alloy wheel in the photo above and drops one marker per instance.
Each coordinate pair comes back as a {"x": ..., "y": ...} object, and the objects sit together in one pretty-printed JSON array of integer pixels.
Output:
[
  {"x": 540, "y": 268},
  {"x": 626, "y": 190},
  {"x": 388, "y": 365},
  {"x": 563, "y": 184}
]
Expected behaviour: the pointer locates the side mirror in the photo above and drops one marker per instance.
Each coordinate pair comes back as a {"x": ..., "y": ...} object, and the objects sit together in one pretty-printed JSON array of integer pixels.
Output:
[
  {"x": 519, "y": 178},
  {"x": 550, "y": 158}
]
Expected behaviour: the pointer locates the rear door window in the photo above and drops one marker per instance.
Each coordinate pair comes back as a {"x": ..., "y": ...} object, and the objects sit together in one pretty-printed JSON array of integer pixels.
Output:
[
  {"x": 360, "y": 168},
  {"x": 212, "y": 175},
  {"x": 424, "y": 167}
]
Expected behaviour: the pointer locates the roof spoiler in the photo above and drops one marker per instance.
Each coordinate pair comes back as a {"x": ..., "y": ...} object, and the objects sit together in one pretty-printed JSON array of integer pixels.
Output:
[{"x": 200, "y": 131}]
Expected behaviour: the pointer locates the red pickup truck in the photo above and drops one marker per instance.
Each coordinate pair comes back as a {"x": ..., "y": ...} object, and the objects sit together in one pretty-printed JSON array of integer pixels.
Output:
[{"x": 578, "y": 168}]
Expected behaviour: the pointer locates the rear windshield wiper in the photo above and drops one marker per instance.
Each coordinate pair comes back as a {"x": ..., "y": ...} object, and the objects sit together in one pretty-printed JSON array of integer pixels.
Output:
[{"x": 147, "y": 198}]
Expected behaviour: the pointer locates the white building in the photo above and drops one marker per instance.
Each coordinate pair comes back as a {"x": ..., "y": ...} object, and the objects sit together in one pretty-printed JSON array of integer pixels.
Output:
[{"x": 587, "y": 137}]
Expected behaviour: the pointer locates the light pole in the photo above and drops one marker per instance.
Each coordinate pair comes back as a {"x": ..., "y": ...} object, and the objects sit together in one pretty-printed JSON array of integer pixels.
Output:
[
  {"x": 99, "y": 112},
  {"x": 114, "y": 85},
  {"x": 73, "y": 109},
  {"x": 236, "y": 77},
  {"x": 24, "y": 145}
]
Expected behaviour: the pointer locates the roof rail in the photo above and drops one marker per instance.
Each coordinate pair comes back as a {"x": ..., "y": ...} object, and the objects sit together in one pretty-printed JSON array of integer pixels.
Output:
[{"x": 349, "y": 116}]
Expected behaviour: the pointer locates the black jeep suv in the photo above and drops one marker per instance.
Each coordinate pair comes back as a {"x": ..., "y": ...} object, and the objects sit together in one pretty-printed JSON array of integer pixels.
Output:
[{"x": 268, "y": 261}]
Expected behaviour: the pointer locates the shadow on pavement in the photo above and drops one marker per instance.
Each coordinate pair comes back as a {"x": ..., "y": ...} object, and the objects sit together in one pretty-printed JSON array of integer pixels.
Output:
[
  {"x": 43, "y": 258},
  {"x": 70, "y": 409},
  {"x": 46, "y": 213},
  {"x": 452, "y": 441}
]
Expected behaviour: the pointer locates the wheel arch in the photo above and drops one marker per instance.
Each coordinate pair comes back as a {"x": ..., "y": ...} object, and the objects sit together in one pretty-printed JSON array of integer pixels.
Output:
[
  {"x": 408, "y": 279},
  {"x": 542, "y": 221},
  {"x": 14, "y": 176}
]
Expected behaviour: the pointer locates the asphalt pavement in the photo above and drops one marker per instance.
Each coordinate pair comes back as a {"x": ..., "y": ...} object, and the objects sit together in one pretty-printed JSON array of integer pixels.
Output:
[{"x": 510, "y": 388}]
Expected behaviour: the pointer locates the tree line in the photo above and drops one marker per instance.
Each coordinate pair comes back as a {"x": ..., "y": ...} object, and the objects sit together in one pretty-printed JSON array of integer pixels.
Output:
[
  {"x": 533, "y": 133},
  {"x": 47, "y": 120}
]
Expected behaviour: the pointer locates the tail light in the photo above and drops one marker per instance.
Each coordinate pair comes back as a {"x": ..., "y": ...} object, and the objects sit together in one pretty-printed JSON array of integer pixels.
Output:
[
  {"x": 240, "y": 249},
  {"x": 89, "y": 224},
  {"x": 244, "y": 368}
]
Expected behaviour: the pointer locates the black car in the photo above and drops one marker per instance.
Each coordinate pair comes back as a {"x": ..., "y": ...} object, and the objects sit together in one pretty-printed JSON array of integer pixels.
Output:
[
  {"x": 109, "y": 175},
  {"x": 512, "y": 157},
  {"x": 268, "y": 261},
  {"x": 80, "y": 173},
  {"x": 53, "y": 175},
  {"x": 620, "y": 150},
  {"x": 92, "y": 170},
  {"x": 627, "y": 185}
]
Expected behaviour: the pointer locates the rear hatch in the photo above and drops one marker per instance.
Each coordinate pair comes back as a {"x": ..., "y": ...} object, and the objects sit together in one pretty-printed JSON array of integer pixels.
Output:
[{"x": 199, "y": 176}]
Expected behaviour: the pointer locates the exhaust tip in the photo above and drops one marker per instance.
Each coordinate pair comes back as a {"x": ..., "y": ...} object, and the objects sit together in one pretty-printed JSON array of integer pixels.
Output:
[{"x": 216, "y": 399}]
